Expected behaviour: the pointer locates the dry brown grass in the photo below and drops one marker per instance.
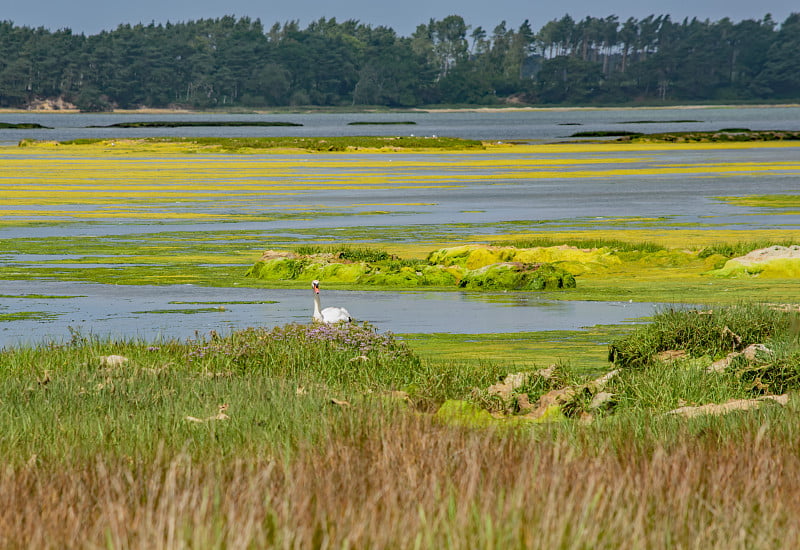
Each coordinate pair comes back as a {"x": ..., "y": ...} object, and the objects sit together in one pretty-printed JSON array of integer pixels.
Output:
[{"x": 411, "y": 483}]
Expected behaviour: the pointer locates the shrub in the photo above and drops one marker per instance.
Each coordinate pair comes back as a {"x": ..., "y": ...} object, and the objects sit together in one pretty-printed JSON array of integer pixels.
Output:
[{"x": 714, "y": 332}]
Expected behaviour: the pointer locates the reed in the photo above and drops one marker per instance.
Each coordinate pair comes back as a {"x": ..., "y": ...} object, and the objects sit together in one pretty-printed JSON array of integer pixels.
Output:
[{"x": 405, "y": 482}]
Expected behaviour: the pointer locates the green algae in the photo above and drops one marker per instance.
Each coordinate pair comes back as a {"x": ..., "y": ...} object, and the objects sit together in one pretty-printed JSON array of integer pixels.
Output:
[
  {"x": 780, "y": 268},
  {"x": 25, "y": 316},
  {"x": 764, "y": 201},
  {"x": 395, "y": 273}
]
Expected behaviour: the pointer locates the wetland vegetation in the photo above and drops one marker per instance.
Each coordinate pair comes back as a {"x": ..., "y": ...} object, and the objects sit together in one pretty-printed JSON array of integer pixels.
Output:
[{"x": 348, "y": 436}]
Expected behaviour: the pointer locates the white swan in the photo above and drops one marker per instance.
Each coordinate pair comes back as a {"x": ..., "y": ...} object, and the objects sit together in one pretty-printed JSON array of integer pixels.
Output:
[{"x": 329, "y": 314}]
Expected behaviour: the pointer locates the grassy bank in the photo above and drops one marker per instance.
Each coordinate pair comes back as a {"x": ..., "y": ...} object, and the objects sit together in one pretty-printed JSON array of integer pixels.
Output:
[{"x": 333, "y": 436}]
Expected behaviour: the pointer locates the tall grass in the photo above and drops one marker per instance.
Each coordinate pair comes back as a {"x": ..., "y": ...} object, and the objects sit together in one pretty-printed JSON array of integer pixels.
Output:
[
  {"x": 740, "y": 248},
  {"x": 61, "y": 401},
  {"x": 404, "y": 482},
  {"x": 713, "y": 332},
  {"x": 316, "y": 451},
  {"x": 346, "y": 252},
  {"x": 614, "y": 244}
]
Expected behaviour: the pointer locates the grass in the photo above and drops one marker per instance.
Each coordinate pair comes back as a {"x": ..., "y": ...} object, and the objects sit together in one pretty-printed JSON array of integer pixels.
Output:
[
  {"x": 714, "y": 332},
  {"x": 722, "y": 135},
  {"x": 320, "y": 144},
  {"x": 741, "y": 248},
  {"x": 597, "y": 242},
  {"x": 313, "y": 449},
  {"x": 347, "y": 252}
]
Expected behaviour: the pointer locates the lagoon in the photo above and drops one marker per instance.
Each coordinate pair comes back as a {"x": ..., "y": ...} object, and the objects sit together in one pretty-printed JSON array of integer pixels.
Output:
[{"x": 186, "y": 311}]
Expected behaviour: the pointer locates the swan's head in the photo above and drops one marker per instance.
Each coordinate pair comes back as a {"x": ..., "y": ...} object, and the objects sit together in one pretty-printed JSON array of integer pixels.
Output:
[{"x": 315, "y": 286}]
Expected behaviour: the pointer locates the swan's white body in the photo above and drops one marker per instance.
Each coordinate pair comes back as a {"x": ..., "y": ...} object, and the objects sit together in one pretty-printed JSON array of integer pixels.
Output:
[{"x": 329, "y": 314}]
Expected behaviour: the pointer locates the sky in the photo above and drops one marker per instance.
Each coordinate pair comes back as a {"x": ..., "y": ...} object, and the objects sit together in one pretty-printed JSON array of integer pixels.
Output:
[{"x": 93, "y": 16}]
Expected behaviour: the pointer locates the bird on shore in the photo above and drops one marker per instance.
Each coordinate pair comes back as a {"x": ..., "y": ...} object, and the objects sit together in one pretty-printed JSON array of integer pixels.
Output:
[{"x": 329, "y": 314}]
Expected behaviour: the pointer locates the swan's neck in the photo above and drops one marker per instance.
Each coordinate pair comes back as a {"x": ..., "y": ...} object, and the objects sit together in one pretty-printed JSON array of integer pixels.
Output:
[{"x": 317, "y": 313}]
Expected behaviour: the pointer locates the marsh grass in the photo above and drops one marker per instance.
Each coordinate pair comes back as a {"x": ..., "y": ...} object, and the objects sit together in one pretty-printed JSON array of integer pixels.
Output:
[
  {"x": 599, "y": 242},
  {"x": 61, "y": 400},
  {"x": 105, "y": 456},
  {"x": 346, "y": 252},
  {"x": 713, "y": 332},
  {"x": 740, "y": 248},
  {"x": 403, "y": 481}
]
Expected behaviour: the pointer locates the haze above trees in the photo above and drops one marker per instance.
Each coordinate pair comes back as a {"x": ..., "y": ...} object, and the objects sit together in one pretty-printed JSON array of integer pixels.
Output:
[{"x": 230, "y": 62}]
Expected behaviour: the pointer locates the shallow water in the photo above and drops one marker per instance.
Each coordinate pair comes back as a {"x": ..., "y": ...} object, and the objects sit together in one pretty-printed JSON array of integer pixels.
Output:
[{"x": 123, "y": 311}]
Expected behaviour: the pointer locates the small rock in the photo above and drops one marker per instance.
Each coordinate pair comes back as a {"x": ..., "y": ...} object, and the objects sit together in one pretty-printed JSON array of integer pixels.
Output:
[
  {"x": 671, "y": 355},
  {"x": 751, "y": 351},
  {"x": 713, "y": 409},
  {"x": 601, "y": 400}
]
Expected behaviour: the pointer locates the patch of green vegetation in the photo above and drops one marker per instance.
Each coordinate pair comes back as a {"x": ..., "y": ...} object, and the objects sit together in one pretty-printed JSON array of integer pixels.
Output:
[
  {"x": 599, "y": 242},
  {"x": 39, "y": 296},
  {"x": 23, "y": 126},
  {"x": 764, "y": 201},
  {"x": 713, "y": 332},
  {"x": 667, "y": 121},
  {"x": 234, "y": 302},
  {"x": 191, "y": 311},
  {"x": 586, "y": 351},
  {"x": 317, "y": 144},
  {"x": 513, "y": 276},
  {"x": 724, "y": 135},
  {"x": 346, "y": 252},
  {"x": 25, "y": 316},
  {"x": 606, "y": 133},
  {"x": 370, "y": 266},
  {"x": 193, "y": 123},
  {"x": 380, "y": 123},
  {"x": 740, "y": 248}
]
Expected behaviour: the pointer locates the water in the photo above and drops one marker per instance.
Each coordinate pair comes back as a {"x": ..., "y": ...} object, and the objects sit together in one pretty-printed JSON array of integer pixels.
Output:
[
  {"x": 541, "y": 125},
  {"x": 126, "y": 312},
  {"x": 655, "y": 189}
]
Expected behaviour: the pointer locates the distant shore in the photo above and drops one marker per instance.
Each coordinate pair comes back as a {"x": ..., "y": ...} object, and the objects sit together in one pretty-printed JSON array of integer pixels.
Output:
[{"x": 476, "y": 109}]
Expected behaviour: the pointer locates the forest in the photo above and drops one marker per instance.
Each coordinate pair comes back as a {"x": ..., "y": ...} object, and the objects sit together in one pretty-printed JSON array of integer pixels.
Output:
[{"x": 231, "y": 62}]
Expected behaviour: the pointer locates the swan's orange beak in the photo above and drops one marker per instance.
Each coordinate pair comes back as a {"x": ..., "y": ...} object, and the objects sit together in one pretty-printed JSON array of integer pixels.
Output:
[{"x": 316, "y": 290}]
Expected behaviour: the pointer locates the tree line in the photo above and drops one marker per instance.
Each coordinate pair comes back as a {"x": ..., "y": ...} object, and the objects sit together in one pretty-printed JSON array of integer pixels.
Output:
[{"x": 239, "y": 63}]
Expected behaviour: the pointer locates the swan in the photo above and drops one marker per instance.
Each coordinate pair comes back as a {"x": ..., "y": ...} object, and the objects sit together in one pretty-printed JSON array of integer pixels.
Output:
[{"x": 329, "y": 314}]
